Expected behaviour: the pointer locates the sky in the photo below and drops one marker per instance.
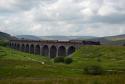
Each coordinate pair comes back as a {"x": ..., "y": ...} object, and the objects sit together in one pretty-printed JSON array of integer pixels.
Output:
[{"x": 63, "y": 17}]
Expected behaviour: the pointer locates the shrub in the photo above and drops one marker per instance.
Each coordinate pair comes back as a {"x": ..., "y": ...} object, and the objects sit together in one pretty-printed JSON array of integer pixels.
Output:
[
  {"x": 99, "y": 60},
  {"x": 68, "y": 60},
  {"x": 59, "y": 59},
  {"x": 93, "y": 70}
]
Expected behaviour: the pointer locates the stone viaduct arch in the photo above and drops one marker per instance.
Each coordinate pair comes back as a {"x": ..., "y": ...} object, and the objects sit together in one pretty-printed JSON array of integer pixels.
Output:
[
  {"x": 53, "y": 51},
  {"x": 11, "y": 45},
  {"x": 45, "y": 50},
  {"x": 32, "y": 49},
  {"x": 37, "y": 49},
  {"x": 61, "y": 51},
  {"x": 15, "y": 46},
  {"x": 52, "y": 48},
  {"x": 71, "y": 49},
  {"x": 27, "y": 48},
  {"x": 18, "y": 46},
  {"x": 22, "y": 47}
]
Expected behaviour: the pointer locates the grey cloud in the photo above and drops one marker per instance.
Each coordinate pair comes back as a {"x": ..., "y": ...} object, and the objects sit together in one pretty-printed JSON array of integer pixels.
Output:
[
  {"x": 73, "y": 15},
  {"x": 111, "y": 19},
  {"x": 23, "y": 5},
  {"x": 64, "y": 17}
]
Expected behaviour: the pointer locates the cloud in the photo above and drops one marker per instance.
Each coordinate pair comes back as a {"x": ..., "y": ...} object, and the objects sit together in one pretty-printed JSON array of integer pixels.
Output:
[{"x": 63, "y": 17}]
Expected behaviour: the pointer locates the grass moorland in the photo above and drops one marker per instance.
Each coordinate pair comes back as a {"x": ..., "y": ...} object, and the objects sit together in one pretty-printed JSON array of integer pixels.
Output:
[{"x": 22, "y": 68}]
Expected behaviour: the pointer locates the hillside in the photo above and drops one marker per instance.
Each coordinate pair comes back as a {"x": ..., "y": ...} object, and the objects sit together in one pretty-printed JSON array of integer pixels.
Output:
[
  {"x": 117, "y": 37},
  {"x": 10, "y": 54},
  {"x": 23, "y": 68},
  {"x": 111, "y": 40},
  {"x": 4, "y": 36},
  {"x": 110, "y": 57}
]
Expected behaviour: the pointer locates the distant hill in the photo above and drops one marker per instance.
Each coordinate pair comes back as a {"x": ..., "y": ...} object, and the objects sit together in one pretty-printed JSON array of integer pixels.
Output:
[
  {"x": 28, "y": 37},
  {"x": 111, "y": 40},
  {"x": 116, "y": 38},
  {"x": 4, "y": 36},
  {"x": 32, "y": 37},
  {"x": 66, "y": 37}
]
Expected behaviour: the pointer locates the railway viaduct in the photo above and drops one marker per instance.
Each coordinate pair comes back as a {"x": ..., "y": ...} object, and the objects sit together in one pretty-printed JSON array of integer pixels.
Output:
[{"x": 50, "y": 48}]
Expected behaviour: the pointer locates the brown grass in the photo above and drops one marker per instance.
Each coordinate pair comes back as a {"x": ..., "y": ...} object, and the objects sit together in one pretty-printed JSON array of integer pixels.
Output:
[{"x": 86, "y": 79}]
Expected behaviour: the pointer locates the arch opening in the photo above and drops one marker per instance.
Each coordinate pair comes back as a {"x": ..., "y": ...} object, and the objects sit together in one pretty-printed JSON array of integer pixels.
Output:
[
  {"x": 18, "y": 46},
  {"x": 27, "y": 48},
  {"x": 23, "y": 47},
  {"x": 53, "y": 51},
  {"x": 15, "y": 46},
  {"x": 45, "y": 51},
  {"x": 12, "y": 45},
  {"x": 32, "y": 49},
  {"x": 37, "y": 49},
  {"x": 62, "y": 51},
  {"x": 71, "y": 50}
]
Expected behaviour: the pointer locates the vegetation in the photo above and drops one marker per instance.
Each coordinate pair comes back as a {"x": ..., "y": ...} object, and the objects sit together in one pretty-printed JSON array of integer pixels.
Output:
[
  {"x": 4, "y": 38},
  {"x": 23, "y": 68},
  {"x": 86, "y": 79},
  {"x": 93, "y": 70},
  {"x": 59, "y": 59},
  {"x": 3, "y": 43},
  {"x": 108, "y": 57},
  {"x": 68, "y": 60}
]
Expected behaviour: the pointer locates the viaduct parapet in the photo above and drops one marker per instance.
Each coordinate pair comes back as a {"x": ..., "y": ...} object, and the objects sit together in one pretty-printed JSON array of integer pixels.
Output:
[{"x": 50, "y": 48}]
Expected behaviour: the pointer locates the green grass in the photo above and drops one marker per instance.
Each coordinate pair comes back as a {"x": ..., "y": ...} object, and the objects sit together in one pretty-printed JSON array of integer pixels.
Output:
[
  {"x": 22, "y": 68},
  {"x": 11, "y": 54},
  {"x": 110, "y": 57}
]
